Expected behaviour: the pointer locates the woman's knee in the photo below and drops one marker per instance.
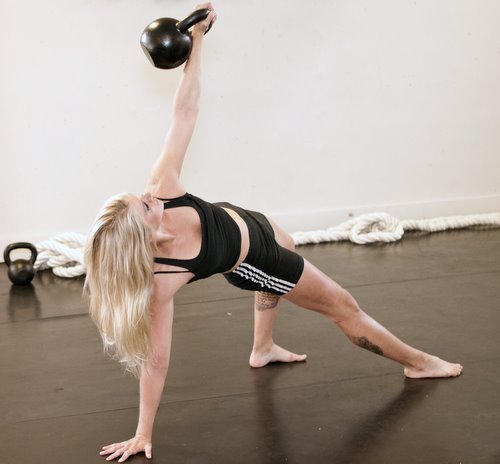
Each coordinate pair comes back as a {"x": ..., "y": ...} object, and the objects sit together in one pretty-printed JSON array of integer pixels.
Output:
[
  {"x": 348, "y": 307},
  {"x": 318, "y": 292},
  {"x": 339, "y": 306}
]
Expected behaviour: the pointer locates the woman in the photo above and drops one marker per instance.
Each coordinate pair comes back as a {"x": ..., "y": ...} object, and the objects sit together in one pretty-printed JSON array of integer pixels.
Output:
[{"x": 142, "y": 250}]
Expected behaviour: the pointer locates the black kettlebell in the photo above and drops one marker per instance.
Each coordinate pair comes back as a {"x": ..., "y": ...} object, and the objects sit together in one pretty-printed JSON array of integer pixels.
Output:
[
  {"x": 167, "y": 42},
  {"x": 21, "y": 271}
]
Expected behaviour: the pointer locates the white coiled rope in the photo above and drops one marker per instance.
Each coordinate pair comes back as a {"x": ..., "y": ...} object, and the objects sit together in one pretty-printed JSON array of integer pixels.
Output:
[
  {"x": 64, "y": 253},
  {"x": 382, "y": 227}
]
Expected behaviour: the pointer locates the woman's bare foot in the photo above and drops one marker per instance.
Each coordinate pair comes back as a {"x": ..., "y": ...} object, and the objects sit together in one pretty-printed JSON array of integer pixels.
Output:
[
  {"x": 260, "y": 358},
  {"x": 434, "y": 367}
]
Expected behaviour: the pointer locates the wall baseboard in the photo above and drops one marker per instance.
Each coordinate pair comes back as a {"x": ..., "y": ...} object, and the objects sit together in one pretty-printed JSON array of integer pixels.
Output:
[{"x": 322, "y": 219}]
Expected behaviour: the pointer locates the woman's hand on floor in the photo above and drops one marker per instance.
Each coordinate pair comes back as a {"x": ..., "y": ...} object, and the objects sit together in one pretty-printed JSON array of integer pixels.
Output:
[{"x": 125, "y": 449}]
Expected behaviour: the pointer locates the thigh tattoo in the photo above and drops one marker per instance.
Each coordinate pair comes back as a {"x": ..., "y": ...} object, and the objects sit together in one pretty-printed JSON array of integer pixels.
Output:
[{"x": 266, "y": 300}]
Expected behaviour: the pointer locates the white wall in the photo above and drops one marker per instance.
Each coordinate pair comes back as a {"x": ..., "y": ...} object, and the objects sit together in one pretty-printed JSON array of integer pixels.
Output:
[{"x": 310, "y": 110}]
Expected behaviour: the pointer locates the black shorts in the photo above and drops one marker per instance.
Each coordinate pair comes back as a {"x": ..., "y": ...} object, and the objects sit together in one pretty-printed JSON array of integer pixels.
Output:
[{"x": 268, "y": 267}]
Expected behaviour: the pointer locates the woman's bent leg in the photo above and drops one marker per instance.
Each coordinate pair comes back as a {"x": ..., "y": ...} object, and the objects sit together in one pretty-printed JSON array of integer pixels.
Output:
[
  {"x": 266, "y": 308},
  {"x": 264, "y": 349},
  {"x": 317, "y": 292}
]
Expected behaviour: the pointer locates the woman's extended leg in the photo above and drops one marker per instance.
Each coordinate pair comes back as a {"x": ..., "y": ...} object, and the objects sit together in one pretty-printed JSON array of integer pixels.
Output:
[
  {"x": 264, "y": 349},
  {"x": 317, "y": 292}
]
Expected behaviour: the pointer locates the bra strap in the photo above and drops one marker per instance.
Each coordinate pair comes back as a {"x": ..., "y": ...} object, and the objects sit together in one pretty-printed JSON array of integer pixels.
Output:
[
  {"x": 169, "y": 272},
  {"x": 174, "y": 261},
  {"x": 168, "y": 203}
]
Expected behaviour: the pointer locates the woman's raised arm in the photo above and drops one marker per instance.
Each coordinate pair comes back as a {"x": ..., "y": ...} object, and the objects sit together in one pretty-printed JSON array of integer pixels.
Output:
[{"x": 164, "y": 179}]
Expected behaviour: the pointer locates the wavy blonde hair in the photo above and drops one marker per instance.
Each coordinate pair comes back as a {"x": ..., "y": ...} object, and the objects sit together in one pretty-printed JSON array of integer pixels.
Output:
[{"x": 119, "y": 261}]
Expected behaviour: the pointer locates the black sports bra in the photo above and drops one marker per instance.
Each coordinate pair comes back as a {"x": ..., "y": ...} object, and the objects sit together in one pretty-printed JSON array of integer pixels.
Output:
[{"x": 220, "y": 240}]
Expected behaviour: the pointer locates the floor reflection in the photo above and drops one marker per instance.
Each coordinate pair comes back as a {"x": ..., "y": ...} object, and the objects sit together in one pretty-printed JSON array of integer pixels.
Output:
[
  {"x": 23, "y": 303},
  {"x": 46, "y": 296},
  {"x": 363, "y": 437},
  {"x": 357, "y": 441},
  {"x": 269, "y": 421}
]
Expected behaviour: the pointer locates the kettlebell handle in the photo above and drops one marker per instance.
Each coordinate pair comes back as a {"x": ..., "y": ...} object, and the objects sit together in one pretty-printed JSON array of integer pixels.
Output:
[
  {"x": 22, "y": 245},
  {"x": 194, "y": 18}
]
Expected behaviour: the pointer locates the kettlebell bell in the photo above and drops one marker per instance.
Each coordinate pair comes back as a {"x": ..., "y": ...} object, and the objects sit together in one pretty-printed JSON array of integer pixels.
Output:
[
  {"x": 20, "y": 271},
  {"x": 167, "y": 42}
]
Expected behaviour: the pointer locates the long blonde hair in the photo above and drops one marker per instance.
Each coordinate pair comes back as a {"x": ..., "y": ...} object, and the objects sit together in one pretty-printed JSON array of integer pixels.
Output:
[{"x": 119, "y": 261}]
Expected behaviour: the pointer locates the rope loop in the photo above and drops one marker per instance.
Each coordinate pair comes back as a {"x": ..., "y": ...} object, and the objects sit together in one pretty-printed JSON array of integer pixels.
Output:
[
  {"x": 376, "y": 227},
  {"x": 63, "y": 254}
]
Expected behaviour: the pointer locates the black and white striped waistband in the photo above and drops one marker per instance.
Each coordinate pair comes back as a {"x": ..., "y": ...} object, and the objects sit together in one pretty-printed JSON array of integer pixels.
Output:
[{"x": 265, "y": 280}]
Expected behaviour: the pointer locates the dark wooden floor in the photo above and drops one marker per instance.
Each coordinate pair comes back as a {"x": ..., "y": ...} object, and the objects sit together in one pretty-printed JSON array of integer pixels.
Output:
[{"x": 61, "y": 400}]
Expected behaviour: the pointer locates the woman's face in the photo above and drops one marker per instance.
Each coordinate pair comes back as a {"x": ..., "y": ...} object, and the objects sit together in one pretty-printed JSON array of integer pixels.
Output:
[{"x": 150, "y": 209}]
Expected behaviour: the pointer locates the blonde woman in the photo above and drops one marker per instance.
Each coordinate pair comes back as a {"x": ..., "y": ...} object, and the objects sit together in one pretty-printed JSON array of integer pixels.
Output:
[{"x": 143, "y": 249}]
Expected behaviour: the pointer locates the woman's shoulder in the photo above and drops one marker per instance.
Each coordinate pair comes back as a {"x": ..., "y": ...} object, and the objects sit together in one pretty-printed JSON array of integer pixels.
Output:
[{"x": 167, "y": 285}]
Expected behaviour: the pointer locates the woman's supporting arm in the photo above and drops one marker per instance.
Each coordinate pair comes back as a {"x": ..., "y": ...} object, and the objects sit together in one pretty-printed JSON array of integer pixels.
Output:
[
  {"x": 151, "y": 384},
  {"x": 153, "y": 376},
  {"x": 164, "y": 180}
]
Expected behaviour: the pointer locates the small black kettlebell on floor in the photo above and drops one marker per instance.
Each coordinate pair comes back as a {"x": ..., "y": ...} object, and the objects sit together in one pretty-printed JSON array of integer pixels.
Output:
[
  {"x": 167, "y": 42},
  {"x": 20, "y": 271}
]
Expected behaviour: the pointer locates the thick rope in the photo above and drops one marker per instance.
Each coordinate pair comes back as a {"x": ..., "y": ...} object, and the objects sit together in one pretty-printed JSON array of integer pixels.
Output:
[
  {"x": 382, "y": 227},
  {"x": 64, "y": 253}
]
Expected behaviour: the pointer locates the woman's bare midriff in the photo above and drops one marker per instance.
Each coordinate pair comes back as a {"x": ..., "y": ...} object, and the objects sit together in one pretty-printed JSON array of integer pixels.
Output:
[{"x": 245, "y": 239}]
